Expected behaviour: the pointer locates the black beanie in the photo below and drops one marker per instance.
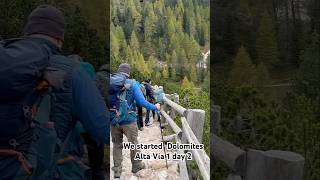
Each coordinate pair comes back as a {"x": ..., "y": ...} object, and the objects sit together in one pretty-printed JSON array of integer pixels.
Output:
[
  {"x": 125, "y": 69},
  {"x": 47, "y": 20}
]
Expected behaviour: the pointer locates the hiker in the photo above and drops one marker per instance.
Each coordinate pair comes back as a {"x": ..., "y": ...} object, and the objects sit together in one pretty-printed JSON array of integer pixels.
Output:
[
  {"x": 124, "y": 93},
  {"x": 95, "y": 150},
  {"x": 150, "y": 98},
  {"x": 102, "y": 81},
  {"x": 42, "y": 96},
  {"x": 139, "y": 108}
]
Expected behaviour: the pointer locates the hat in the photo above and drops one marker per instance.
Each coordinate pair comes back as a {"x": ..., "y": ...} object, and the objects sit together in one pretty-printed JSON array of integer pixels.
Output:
[
  {"x": 47, "y": 20},
  {"x": 147, "y": 80},
  {"x": 125, "y": 69}
]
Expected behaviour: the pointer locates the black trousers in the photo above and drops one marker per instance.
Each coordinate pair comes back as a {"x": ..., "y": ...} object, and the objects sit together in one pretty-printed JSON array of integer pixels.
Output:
[
  {"x": 140, "y": 120},
  {"x": 148, "y": 116},
  {"x": 96, "y": 156}
]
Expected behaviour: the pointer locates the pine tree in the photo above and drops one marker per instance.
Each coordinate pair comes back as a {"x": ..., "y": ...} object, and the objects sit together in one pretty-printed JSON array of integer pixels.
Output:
[
  {"x": 182, "y": 62},
  {"x": 165, "y": 72},
  {"x": 308, "y": 79},
  {"x": 170, "y": 27},
  {"x": 179, "y": 11},
  {"x": 114, "y": 49},
  {"x": 174, "y": 58},
  {"x": 243, "y": 71},
  {"x": 266, "y": 45},
  {"x": 193, "y": 74},
  {"x": 186, "y": 84},
  {"x": 157, "y": 77},
  {"x": 121, "y": 38},
  {"x": 149, "y": 32},
  {"x": 174, "y": 44},
  {"x": 151, "y": 63},
  {"x": 134, "y": 43},
  {"x": 173, "y": 74},
  {"x": 191, "y": 48}
]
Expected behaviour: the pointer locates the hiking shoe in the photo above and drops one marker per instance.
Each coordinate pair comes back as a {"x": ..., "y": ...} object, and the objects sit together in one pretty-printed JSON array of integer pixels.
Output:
[
  {"x": 139, "y": 167},
  {"x": 116, "y": 172},
  {"x": 141, "y": 129},
  {"x": 148, "y": 124}
]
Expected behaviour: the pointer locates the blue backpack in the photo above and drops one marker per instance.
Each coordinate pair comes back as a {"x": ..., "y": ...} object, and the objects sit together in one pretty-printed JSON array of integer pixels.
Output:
[
  {"x": 158, "y": 94},
  {"x": 26, "y": 132},
  {"x": 121, "y": 103}
]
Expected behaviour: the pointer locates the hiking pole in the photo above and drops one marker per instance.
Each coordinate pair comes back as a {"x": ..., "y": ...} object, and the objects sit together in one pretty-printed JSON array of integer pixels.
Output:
[{"x": 164, "y": 149}]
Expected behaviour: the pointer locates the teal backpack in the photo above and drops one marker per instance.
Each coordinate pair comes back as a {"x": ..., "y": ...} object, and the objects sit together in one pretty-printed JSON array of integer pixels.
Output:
[{"x": 121, "y": 103}]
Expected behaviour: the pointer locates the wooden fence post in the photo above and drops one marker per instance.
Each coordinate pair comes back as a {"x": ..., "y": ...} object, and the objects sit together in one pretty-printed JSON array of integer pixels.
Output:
[
  {"x": 164, "y": 107},
  {"x": 195, "y": 119},
  {"x": 274, "y": 164},
  {"x": 231, "y": 155}
]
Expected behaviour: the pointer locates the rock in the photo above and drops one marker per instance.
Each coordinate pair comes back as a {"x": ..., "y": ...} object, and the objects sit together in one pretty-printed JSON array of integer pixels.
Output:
[
  {"x": 162, "y": 175},
  {"x": 158, "y": 165},
  {"x": 133, "y": 178},
  {"x": 144, "y": 173}
]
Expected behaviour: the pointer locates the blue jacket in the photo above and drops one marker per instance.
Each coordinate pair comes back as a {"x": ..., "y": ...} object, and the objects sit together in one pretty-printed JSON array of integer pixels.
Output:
[{"x": 139, "y": 98}]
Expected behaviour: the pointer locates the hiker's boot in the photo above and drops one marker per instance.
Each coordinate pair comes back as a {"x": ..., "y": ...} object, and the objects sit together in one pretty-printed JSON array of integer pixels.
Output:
[
  {"x": 138, "y": 167},
  {"x": 148, "y": 124},
  {"x": 116, "y": 172}
]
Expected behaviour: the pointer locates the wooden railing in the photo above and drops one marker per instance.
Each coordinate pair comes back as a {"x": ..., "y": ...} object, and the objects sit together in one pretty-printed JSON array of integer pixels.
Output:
[
  {"x": 254, "y": 164},
  {"x": 191, "y": 132}
]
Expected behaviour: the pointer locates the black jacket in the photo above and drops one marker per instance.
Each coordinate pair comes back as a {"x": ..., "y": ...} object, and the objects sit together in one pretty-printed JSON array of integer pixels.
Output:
[{"x": 149, "y": 92}]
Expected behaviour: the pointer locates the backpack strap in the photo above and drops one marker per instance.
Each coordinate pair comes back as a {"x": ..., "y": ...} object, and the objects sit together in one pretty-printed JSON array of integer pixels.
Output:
[{"x": 6, "y": 42}]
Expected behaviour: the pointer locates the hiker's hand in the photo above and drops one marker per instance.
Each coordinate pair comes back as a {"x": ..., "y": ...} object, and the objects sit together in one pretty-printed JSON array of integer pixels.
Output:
[{"x": 158, "y": 106}]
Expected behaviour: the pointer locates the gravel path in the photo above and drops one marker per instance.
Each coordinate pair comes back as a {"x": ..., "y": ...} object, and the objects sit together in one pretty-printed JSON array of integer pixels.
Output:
[{"x": 155, "y": 169}]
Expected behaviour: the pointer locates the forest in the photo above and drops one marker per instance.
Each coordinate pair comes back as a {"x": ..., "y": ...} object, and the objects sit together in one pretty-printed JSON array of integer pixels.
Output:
[
  {"x": 162, "y": 39},
  {"x": 86, "y": 25},
  {"x": 265, "y": 74}
]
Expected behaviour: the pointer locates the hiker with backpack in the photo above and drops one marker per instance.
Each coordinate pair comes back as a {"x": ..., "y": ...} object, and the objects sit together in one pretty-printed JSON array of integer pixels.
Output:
[
  {"x": 102, "y": 81},
  {"x": 95, "y": 150},
  {"x": 42, "y": 96},
  {"x": 124, "y": 94},
  {"x": 150, "y": 97}
]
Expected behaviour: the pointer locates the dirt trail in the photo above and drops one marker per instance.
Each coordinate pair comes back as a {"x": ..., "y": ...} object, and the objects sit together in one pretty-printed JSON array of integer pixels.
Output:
[{"x": 155, "y": 169}]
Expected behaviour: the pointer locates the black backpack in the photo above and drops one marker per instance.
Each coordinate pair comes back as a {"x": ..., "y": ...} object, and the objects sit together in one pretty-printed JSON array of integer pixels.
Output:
[
  {"x": 25, "y": 100},
  {"x": 22, "y": 66}
]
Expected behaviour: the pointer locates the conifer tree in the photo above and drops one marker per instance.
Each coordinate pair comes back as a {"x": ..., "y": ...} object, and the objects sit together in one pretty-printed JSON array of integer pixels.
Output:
[
  {"x": 266, "y": 45},
  {"x": 134, "y": 43},
  {"x": 193, "y": 74},
  {"x": 165, "y": 72},
  {"x": 186, "y": 84},
  {"x": 243, "y": 71},
  {"x": 308, "y": 79}
]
